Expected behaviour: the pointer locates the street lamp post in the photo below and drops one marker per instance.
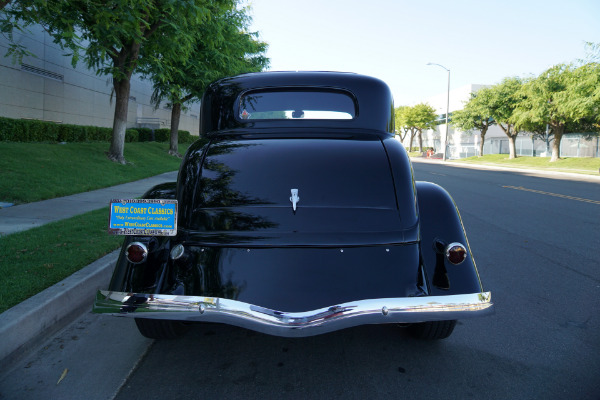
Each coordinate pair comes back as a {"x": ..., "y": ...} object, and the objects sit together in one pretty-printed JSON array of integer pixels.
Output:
[{"x": 447, "y": 110}]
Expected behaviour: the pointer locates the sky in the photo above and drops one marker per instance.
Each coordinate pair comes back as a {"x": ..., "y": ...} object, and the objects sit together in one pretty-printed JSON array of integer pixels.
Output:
[{"x": 481, "y": 42}]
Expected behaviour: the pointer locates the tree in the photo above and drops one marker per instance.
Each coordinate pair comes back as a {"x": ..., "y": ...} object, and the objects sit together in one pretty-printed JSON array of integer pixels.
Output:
[
  {"x": 504, "y": 98},
  {"x": 111, "y": 36},
  {"x": 592, "y": 53},
  {"x": 400, "y": 118},
  {"x": 18, "y": 16},
  {"x": 409, "y": 125},
  {"x": 413, "y": 120},
  {"x": 422, "y": 116},
  {"x": 222, "y": 47},
  {"x": 476, "y": 115},
  {"x": 540, "y": 131},
  {"x": 560, "y": 97}
]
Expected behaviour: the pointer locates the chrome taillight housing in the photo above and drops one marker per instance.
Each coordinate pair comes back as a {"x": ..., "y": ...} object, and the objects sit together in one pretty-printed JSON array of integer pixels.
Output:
[
  {"x": 136, "y": 252},
  {"x": 456, "y": 253}
]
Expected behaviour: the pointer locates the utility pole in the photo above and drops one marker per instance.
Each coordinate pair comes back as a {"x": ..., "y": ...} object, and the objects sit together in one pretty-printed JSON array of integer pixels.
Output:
[{"x": 447, "y": 110}]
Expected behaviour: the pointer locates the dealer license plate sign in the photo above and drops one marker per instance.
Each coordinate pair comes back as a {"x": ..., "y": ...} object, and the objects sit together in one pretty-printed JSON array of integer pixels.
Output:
[{"x": 146, "y": 217}]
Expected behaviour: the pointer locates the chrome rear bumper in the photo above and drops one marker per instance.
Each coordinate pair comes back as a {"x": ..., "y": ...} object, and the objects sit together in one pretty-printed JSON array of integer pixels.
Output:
[{"x": 294, "y": 324}]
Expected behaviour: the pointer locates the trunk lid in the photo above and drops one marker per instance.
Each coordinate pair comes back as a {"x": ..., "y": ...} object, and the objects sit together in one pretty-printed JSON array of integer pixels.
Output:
[{"x": 346, "y": 194}]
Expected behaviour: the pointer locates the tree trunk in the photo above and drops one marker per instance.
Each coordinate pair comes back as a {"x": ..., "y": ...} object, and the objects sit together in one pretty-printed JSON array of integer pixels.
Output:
[
  {"x": 420, "y": 133},
  {"x": 512, "y": 139},
  {"x": 512, "y": 147},
  {"x": 117, "y": 144},
  {"x": 175, "y": 116},
  {"x": 481, "y": 145},
  {"x": 125, "y": 61},
  {"x": 483, "y": 132},
  {"x": 403, "y": 136},
  {"x": 412, "y": 136},
  {"x": 558, "y": 134}
]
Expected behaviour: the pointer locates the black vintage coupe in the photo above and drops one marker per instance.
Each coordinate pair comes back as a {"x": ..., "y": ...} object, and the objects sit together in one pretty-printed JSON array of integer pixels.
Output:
[{"x": 299, "y": 216}]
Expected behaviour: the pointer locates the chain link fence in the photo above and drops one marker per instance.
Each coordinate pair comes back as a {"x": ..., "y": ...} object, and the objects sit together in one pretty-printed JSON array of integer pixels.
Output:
[{"x": 571, "y": 145}]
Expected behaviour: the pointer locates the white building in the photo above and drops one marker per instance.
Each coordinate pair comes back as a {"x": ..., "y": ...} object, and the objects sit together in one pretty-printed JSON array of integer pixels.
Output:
[{"x": 47, "y": 88}]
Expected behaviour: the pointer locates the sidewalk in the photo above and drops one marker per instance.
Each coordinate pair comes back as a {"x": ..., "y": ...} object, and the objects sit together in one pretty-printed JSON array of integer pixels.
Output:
[
  {"x": 26, "y": 216},
  {"x": 37, "y": 318},
  {"x": 573, "y": 176}
]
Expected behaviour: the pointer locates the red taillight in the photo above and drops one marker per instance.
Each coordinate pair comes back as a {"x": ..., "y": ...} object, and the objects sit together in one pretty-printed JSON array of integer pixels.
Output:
[
  {"x": 136, "y": 252},
  {"x": 456, "y": 253}
]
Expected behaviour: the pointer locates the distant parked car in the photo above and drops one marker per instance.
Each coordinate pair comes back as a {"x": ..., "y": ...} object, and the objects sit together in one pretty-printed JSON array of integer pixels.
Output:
[{"x": 300, "y": 216}]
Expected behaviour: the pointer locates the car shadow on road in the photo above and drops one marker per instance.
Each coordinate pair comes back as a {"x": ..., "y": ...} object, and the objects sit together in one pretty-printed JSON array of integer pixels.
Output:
[{"x": 218, "y": 361}]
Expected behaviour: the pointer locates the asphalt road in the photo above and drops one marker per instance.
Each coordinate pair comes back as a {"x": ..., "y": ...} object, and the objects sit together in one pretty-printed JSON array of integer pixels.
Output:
[{"x": 536, "y": 242}]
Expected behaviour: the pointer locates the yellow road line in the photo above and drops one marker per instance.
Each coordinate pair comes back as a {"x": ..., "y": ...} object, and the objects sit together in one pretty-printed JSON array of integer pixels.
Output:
[{"x": 553, "y": 194}]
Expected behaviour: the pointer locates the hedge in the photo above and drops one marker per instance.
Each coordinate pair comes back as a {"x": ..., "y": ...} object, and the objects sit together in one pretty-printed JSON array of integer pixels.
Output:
[
  {"x": 24, "y": 130},
  {"x": 146, "y": 135},
  {"x": 164, "y": 135},
  {"x": 131, "y": 135},
  {"x": 185, "y": 137}
]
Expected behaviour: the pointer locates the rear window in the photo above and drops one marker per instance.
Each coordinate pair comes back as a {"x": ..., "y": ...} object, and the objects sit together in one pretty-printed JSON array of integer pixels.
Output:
[{"x": 296, "y": 104}]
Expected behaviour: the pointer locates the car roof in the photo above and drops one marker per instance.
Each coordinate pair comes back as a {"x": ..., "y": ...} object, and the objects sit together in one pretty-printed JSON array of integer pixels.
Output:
[{"x": 220, "y": 103}]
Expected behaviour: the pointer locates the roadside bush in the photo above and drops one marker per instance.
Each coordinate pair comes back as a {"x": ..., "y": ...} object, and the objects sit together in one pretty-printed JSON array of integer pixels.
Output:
[
  {"x": 162, "y": 135},
  {"x": 25, "y": 130},
  {"x": 132, "y": 135},
  {"x": 185, "y": 137},
  {"x": 38, "y": 131},
  {"x": 6, "y": 129},
  {"x": 145, "y": 134},
  {"x": 82, "y": 133},
  {"x": 101, "y": 134}
]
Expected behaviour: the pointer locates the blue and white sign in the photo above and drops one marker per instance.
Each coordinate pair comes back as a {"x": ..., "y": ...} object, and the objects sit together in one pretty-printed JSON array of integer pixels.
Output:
[{"x": 149, "y": 217}]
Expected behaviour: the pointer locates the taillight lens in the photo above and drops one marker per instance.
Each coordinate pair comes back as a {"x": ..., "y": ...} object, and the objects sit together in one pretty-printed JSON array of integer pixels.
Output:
[
  {"x": 456, "y": 253},
  {"x": 136, "y": 252}
]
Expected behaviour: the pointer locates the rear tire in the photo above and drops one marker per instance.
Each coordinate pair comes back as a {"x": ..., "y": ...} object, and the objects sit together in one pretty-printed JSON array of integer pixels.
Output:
[
  {"x": 432, "y": 330},
  {"x": 161, "y": 329}
]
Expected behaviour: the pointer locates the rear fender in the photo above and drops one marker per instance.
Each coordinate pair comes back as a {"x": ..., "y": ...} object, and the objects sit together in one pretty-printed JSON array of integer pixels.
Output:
[{"x": 440, "y": 222}]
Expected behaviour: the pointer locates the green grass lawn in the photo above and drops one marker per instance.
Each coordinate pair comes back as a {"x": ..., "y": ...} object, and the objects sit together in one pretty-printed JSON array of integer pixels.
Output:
[
  {"x": 34, "y": 260},
  {"x": 38, "y": 171},
  {"x": 577, "y": 165}
]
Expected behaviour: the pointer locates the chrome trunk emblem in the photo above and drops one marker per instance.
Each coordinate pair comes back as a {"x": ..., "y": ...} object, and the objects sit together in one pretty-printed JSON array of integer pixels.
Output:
[{"x": 294, "y": 199}]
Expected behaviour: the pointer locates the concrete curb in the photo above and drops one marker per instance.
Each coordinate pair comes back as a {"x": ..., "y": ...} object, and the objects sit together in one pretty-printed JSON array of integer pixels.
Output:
[
  {"x": 37, "y": 318},
  {"x": 531, "y": 171}
]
